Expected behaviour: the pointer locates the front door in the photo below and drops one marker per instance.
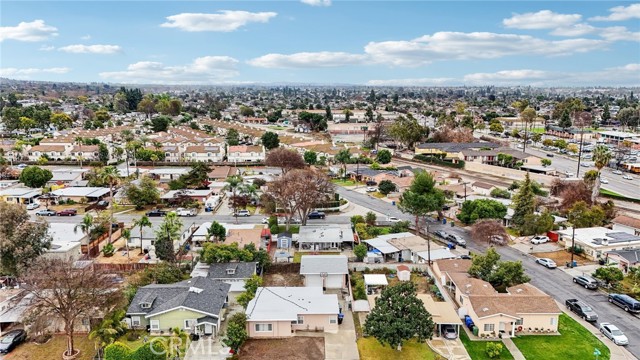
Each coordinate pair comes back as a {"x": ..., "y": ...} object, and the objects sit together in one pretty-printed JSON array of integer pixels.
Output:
[
  {"x": 208, "y": 329},
  {"x": 501, "y": 327}
]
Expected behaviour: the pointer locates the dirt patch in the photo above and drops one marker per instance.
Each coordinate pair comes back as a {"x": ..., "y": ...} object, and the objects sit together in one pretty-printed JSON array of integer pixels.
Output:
[
  {"x": 562, "y": 257},
  {"x": 298, "y": 347},
  {"x": 283, "y": 280}
]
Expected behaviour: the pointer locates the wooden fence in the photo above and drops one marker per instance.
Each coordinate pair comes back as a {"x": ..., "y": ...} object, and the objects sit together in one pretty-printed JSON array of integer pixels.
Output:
[
  {"x": 120, "y": 268},
  {"x": 283, "y": 268}
]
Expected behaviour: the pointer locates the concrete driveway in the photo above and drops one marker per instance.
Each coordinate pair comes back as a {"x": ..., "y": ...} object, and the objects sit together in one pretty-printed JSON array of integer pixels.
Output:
[
  {"x": 450, "y": 349},
  {"x": 342, "y": 345}
]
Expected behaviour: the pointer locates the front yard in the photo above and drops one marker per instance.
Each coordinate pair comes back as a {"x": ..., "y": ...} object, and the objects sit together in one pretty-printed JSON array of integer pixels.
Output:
[
  {"x": 562, "y": 257},
  {"x": 53, "y": 349},
  {"x": 371, "y": 349},
  {"x": 574, "y": 342},
  {"x": 295, "y": 348},
  {"x": 297, "y": 257},
  {"x": 477, "y": 349}
]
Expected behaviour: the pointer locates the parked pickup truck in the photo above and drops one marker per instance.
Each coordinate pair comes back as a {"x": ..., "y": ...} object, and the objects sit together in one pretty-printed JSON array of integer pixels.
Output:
[
  {"x": 186, "y": 212},
  {"x": 582, "y": 309}
]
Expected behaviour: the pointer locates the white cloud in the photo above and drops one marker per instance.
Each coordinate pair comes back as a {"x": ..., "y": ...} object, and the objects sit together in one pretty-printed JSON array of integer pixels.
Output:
[
  {"x": 47, "y": 48},
  {"x": 544, "y": 19},
  {"x": 413, "y": 82},
  {"x": 203, "y": 70},
  {"x": 620, "y": 13},
  {"x": 619, "y": 33},
  {"x": 91, "y": 49},
  {"x": 574, "y": 30},
  {"x": 317, "y": 2},
  {"x": 25, "y": 73},
  {"x": 223, "y": 21},
  {"x": 36, "y": 30},
  {"x": 509, "y": 76},
  {"x": 308, "y": 60},
  {"x": 86, "y": 37}
]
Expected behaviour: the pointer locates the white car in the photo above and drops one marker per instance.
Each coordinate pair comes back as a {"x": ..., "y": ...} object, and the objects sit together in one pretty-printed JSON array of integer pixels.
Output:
[
  {"x": 22, "y": 166},
  {"x": 568, "y": 173},
  {"x": 539, "y": 239},
  {"x": 612, "y": 332},
  {"x": 33, "y": 206},
  {"x": 242, "y": 213},
  {"x": 627, "y": 177},
  {"x": 519, "y": 146},
  {"x": 186, "y": 212},
  {"x": 372, "y": 189},
  {"x": 604, "y": 180},
  {"x": 393, "y": 219},
  {"x": 265, "y": 220},
  {"x": 548, "y": 263},
  {"x": 617, "y": 172}
]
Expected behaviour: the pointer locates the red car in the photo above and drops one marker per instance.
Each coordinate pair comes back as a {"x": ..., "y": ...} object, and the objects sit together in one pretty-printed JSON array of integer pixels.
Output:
[{"x": 67, "y": 212}]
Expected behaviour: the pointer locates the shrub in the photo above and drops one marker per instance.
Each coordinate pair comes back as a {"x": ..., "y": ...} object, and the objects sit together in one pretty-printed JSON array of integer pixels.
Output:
[
  {"x": 117, "y": 351},
  {"x": 155, "y": 350},
  {"x": 499, "y": 193},
  {"x": 275, "y": 229},
  {"x": 357, "y": 219},
  {"x": 359, "y": 292},
  {"x": 434, "y": 160},
  {"x": 493, "y": 349},
  {"x": 108, "y": 250}
]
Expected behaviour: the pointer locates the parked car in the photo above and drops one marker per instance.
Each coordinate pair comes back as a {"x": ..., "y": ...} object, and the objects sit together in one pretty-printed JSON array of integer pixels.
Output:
[
  {"x": 587, "y": 281},
  {"x": 242, "y": 213},
  {"x": 540, "y": 239},
  {"x": 12, "y": 339},
  {"x": 626, "y": 302},
  {"x": 46, "y": 212},
  {"x": 449, "y": 332},
  {"x": 393, "y": 219},
  {"x": 102, "y": 204},
  {"x": 316, "y": 215},
  {"x": 582, "y": 309},
  {"x": 67, "y": 212},
  {"x": 617, "y": 172},
  {"x": 156, "y": 213},
  {"x": 604, "y": 180},
  {"x": 457, "y": 240},
  {"x": 186, "y": 212},
  {"x": 33, "y": 206},
  {"x": 265, "y": 220},
  {"x": 372, "y": 189},
  {"x": 612, "y": 332},
  {"x": 22, "y": 166},
  {"x": 549, "y": 155},
  {"x": 371, "y": 183},
  {"x": 550, "y": 264},
  {"x": 441, "y": 233},
  {"x": 465, "y": 257},
  {"x": 627, "y": 177}
]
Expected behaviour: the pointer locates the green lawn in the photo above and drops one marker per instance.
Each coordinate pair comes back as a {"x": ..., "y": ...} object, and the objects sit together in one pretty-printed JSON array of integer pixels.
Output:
[
  {"x": 298, "y": 255},
  {"x": 53, "y": 349},
  {"x": 343, "y": 182},
  {"x": 615, "y": 195},
  {"x": 476, "y": 349},
  {"x": 539, "y": 130},
  {"x": 370, "y": 349},
  {"x": 575, "y": 342},
  {"x": 276, "y": 127},
  {"x": 378, "y": 195},
  {"x": 293, "y": 229}
]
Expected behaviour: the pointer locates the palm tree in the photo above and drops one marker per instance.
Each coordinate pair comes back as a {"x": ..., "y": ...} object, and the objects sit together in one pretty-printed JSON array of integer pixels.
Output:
[
  {"x": 109, "y": 175},
  {"x": 234, "y": 183},
  {"x": 109, "y": 329},
  {"x": 601, "y": 158},
  {"x": 156, "y": 145},
  {"x": 142, "y": 222},
  {"x": 86, "y": 225},
  {"x": 126, "y": 234},
  {"x": 79, "y": 140}
]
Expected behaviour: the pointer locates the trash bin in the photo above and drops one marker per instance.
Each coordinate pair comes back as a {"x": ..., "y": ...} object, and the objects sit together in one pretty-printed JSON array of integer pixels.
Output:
[
  {"x": 393, "y": 203},
  {"x": 453, "y": 223},
  {"x": 444, "y": 221},
  {"x": 340, "y": 318}
]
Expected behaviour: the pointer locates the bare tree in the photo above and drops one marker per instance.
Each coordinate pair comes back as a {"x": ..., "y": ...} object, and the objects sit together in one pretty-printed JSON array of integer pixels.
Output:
[
  {"x": 489, "y": 231},
  {"x": 63, "y": 291},
  {"x": 285, "y": 159},
  {"x": 298, "y": 191}
]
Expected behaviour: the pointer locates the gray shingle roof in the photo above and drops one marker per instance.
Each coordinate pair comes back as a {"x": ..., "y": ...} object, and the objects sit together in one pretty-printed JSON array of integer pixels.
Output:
[
  {"x": 201, "y": 294},
  {"x": 457, "y": 146},
  {"x": 242, "y": 270},
  {"x": 330, "y": 264}
]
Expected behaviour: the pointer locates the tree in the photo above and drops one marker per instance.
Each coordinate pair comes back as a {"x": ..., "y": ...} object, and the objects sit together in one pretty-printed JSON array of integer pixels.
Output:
[
  {"x": 384, "y": 156},
  {"x": 86, "y": 225},
  {"x": 69, "y": 293},
  {"x": 236, "y": 331},
  {"x": 493, "y": 349},
  {"x": 217, "y": 231},
  {"x": 310, "y": 157},
  {"x": 609, "y": 274},
  {"x": 606, "y": 114},
  {"x": 489, "y": 231},
  {"x": 35, "y": 177},
  {"x": 103, "y": 153},
  {"x": 246, "y": 111},
  {"x": 147, "y": 106},
  {"x": 160, "y": 123},
  {"x": 343, "y": 157},
  {"x": 496, "y": 127},
  {"x": 537, "y": 224},
  {"x": 407, "y": 130},
  {"x": 482, "y": 266},
  {"x": 142, "y": 223},
  {"x": 386, "y": 186},
  {"x": 251, "y": 285},
  {"x": 581, "y": 215},
  {"x": 546, "y": 162},
  {"x": 284, "y": 159},
  {"x": 270, "y": 140},
  {"x": 360, "y": 251},
  {"x": 524, "y": 202},
  {"x": 481, "y": 209},
  {"x": 234, "y": 184},
  {"x": 21, "y": 240},
  {"x": 233, "y": 137},
  {"x": 507, "y": 274},
  {"x": 565, "y": 120},
  {"x": 399, "y": 316},
  {"x": 61, "y": 120},
  {"x": 370, "y": 218},
  {"x": 110, "y": 328},
  {"x": 547, "y": 142},
  {"x": 167, "y": 233},
  {"x": 111, "y": 177},
  {"x": 601, "y": 158},
  {"x": 528, "y": 116},
  {"x": 144, "y": 194}
]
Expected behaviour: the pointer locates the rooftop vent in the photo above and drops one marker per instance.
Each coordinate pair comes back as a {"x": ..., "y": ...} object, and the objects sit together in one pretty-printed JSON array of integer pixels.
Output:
[
  {"x": 195, "y": 290},
  {"x": 485, "y": 309}
]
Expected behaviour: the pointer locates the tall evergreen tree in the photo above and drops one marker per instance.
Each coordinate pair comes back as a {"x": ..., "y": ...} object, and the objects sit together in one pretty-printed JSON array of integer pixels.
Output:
[
  {"x": 524, "y": 202},
  {"x": 565, "y": 120}
]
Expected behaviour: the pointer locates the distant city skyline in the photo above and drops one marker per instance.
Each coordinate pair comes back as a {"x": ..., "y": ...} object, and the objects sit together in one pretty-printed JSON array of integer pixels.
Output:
[{"x": 381, "y": 43}]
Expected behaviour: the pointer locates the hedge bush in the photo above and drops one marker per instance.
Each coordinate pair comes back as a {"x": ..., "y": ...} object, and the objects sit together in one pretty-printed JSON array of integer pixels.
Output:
[{"x": 434, "y": 160}]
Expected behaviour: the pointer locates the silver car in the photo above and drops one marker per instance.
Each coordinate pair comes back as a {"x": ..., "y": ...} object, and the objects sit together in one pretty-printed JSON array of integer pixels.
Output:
[
  {"x": 612, "y": 332},
  {"x": 550, "y": 264}
]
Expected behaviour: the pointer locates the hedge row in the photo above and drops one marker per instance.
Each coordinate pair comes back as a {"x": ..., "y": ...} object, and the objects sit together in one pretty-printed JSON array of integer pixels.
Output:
[{"x": 437, "y": 161}]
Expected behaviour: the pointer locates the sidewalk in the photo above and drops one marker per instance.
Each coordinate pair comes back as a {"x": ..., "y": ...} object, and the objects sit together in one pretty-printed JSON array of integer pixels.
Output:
[{"x": 513, "y": 349}]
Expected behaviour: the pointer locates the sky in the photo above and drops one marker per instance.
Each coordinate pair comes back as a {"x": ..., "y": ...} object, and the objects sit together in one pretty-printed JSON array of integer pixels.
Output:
[{"x": 380, "y": 43}]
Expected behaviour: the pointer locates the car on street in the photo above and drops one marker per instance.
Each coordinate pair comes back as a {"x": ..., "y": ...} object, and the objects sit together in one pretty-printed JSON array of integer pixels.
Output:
[
  {"x": 519, "y": 146},
  {"x": 67, "y": 212},
  {"x": 441, "y": 233},
  {"x": 45, "y": 212},
  {"x": 457, "y": 240},
  {"x": 604, "y": 180},
  {"x": 449, "y": 332},
  {"x": 540, "y": 239},
  {"x": 587, "y": 281},
  {"x": 33, "y": 206},
  {"x": 156, "y": 213},
  {"x": 372, "y": 189},
  {"x": 186, "y": 212},
  {"x": 371, "y": 183},
  {"x": 11, "y": 340},
  {"x": 242, "y": 213},
  {"x": 627, "y": 177},
  {"x": 626, "y": 302},
  {"x": 617, "y": 172},
  {"x": 549, "y": 155},
  {"x": 582, "y": 309},
  {"x": 265, "y": 220},
  {"x": 568, "y": 173},
  {"x": 393, "y": 219},
  {"x": 21, "y": 166},
  {"x": 316, "y": 215},
  {"x": 548, "y": 263},
  {"x": 612, "y": 332}
]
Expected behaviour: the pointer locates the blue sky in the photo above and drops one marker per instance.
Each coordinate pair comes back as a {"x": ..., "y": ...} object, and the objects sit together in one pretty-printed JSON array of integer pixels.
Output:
[{"x": 424, "y": 43}]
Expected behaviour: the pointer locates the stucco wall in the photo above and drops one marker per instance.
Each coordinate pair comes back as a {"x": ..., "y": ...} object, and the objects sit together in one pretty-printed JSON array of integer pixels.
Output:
[
  {"x": 284, "y": 328},
  {"x": 512, "y": 174},
  {"x": 317, "y": 322},
  {"x": 175, "y": 318},
  {"x": 279, "y": 329}
]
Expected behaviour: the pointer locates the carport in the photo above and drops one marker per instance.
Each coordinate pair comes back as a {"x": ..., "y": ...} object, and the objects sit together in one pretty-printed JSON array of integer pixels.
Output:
[
  {"x": 375, "y": 281},
  {"x": 442, "y": 313}
]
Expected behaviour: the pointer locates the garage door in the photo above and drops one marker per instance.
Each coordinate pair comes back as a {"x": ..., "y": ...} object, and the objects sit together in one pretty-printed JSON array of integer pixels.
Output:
[
  {"x": 334, "y": 281},
  {"x": 313, "y": 280}
]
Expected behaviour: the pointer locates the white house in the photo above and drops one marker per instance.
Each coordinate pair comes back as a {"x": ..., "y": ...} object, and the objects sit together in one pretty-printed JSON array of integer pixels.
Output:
[
  {"x": 204, "y": 153},
  {"x": 327, "y": 271},
  {"x": 597, "y": 241},
  {"x": 65, "y": 241},
  {"x": 246, "y": 153},
  {"x": 626, "y": 224}
]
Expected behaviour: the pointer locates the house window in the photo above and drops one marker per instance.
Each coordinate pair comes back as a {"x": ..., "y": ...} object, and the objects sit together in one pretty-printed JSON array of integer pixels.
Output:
[
  {"x": 333, "y": 320},
  {"x": 135, "y": 321},
  {"x": 553, "y": 321},
  {"x": 154, "y": 324},
  {"x": 189, "y": 323},
  {"x": 264, "y": 327},
  {"x": 461, "y": 300},
  {"x": 85, "y": 322},
  {"x": 488, "y": 327},
  {"x": 519, "y": 322},
  {"x": 300, "y": 320}
]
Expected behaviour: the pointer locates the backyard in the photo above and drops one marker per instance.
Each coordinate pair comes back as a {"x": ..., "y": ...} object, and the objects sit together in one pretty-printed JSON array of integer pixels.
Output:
[
  {"x": 371, "y": 349},
  {"x": 574, "y": 342},
  {"x": 477, "y": 349},
  {"x": 283, "y": 279},
  {"x": 53, "y": 349},
  {"x": 295, "y": 348},
  {"x": 297, "y": 257}
]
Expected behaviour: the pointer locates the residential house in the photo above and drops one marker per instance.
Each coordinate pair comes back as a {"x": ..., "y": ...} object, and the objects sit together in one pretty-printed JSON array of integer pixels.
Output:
[
  {"x": 204, "y": 153},
  {"x": 86, "y": 152},
  {"x": 10, "y": 312},
  {"x": 148, "y": 236},
  {"x": 52, "y": 152},
  {"x": 326, "y": 271},
  {"x": 68, "y": 177},
  {"x": 20, "y": 195},
  {"x": 194, "y": 305},
  {"x": 66, "y": 242},
  {"x": 244, "y": 237},
  {"x": 614, "y": 137},
  {"x": 167, "y": 174},
  {"x": 246, "y": 153},
  {"x": 325, "y": 237},
  {"x": 405, "y": 247},
  {"x": 482, "y": 188},
  {"x": 277, "y": 312},
  {"x": 177, "y": 196},
  {"x": 402, "y": 182},
  {"x": 597, "y": 241},
  {"x": 80, "y": 194},
  {"x": 221, "y": 173},
  {"x": 624, "y": 259},
  {"x": 232, "y": 273},
  {"x": 10, "y": 152},
  {"x": 626, "y": 224},
  {"x": 452, "y": 151}
]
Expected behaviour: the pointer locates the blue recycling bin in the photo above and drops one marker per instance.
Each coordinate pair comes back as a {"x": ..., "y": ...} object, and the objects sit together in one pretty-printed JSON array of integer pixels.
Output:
[
  {"x": 444, "y": 221},
  {"x": 393, "y": 203}
]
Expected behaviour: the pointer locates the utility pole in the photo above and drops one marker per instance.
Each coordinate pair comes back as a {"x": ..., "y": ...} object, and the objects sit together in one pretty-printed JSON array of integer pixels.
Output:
[{"x": 573, "y": 242}]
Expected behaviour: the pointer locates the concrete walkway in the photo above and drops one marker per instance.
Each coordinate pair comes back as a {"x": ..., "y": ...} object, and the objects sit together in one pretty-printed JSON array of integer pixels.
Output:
[
  {"x": 513, "y": 349},
  {"x": 342, "y": 345},
  {"x": 450, "y": 349}
]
